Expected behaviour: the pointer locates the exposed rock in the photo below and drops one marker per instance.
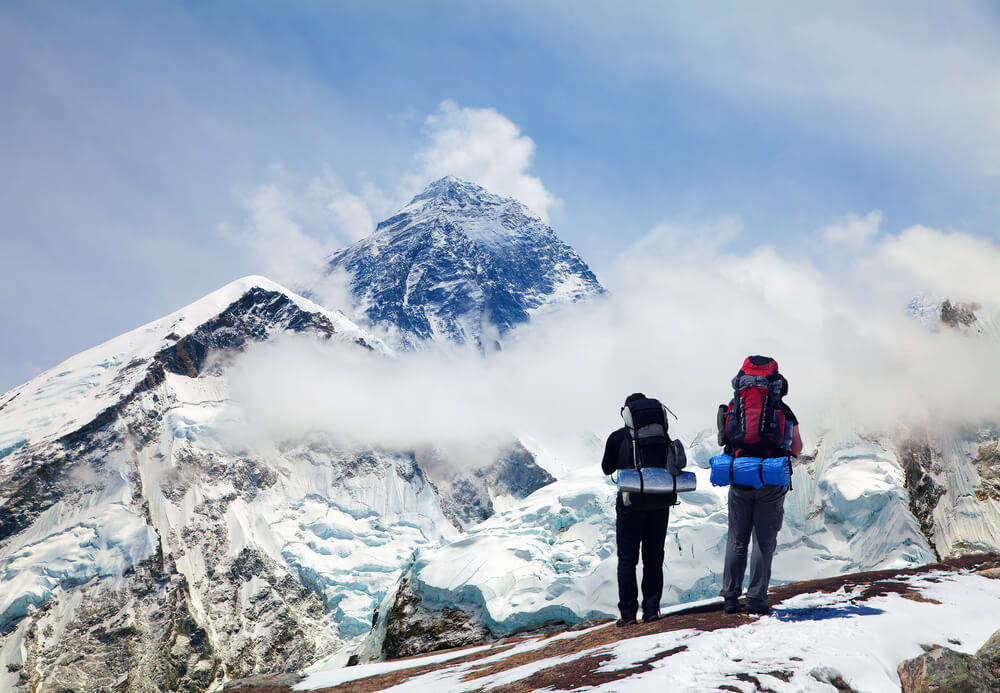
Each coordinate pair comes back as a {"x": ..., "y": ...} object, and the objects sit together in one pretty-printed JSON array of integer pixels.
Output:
[
  {"x": 943, "y": 670},
  {"x": 987, "y": 462},
  {"x": 832, "y": 677},
  {"x": 138, "y": 637},
  {"x": 959, "y": 314},
  {"x": 467, "y": 495},
  {"x": 592, "y": 656},
  {"x": 413, "y": 629},
  {"x": 989, "y": 654},
  {"x": 917, "y": 459},
  {"x": 253, "y": 317}
]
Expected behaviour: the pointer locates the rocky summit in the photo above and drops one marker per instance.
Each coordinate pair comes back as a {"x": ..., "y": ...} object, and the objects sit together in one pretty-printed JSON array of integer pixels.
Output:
[{"x": 461, "y": 264}]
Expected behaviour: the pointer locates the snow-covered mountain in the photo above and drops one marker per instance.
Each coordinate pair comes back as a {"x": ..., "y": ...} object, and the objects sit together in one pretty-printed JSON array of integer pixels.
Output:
[
  {"x": 459, "y": 263},
  {"x": 145, "y": 545}
]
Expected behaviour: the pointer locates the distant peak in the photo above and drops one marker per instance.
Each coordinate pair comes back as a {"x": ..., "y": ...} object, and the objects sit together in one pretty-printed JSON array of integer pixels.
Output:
[
  {"x": 453, "y": 189},
  {"x": 456, "y": 195}
]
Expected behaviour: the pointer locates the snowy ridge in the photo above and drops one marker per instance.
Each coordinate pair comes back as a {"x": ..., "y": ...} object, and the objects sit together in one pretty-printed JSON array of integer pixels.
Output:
[
  {"x": 459, "y": 264},
  {"x": 61, "y": 399}
]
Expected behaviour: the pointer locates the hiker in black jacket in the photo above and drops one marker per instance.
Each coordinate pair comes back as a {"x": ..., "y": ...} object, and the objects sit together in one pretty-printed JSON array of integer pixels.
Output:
[{"x": 641, "y": 525}]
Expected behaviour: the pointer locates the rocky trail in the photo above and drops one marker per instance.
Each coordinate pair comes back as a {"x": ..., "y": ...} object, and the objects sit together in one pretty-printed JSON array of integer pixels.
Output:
[{"x": 845, "y": 633}]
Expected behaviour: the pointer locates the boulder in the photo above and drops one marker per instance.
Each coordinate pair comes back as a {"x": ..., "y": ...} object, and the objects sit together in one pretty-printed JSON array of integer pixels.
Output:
[{"x": 943, "y": 670}]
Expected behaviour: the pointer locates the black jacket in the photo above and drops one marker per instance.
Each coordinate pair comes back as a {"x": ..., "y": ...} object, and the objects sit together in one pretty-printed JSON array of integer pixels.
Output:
[{"x": 618, "y": 455}]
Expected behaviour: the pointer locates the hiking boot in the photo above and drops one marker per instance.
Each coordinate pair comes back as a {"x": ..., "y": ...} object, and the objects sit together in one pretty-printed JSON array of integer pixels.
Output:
[
  {"x": 651, "y": 618},
  {"x": 732, "y": 606},
  {"x": 755, "y": 607},
  {"x": 625, "y": 622}
]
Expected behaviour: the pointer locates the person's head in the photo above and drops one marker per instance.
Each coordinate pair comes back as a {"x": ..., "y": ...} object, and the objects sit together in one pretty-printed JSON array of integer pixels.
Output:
[{"x": 633, "y": 397}]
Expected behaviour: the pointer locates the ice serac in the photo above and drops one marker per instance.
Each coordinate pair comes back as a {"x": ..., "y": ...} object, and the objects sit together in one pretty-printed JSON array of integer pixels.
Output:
[
  {"x": 551, "y": 559},
  {"x": 139, "y": 535},
  {"x": 459, "y": 263}
]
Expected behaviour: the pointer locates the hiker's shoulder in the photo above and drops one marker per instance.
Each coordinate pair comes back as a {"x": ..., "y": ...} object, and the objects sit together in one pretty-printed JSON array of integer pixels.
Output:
[
  {"x": 616, "y": 436},
  {"x": 789, "y": 413}
]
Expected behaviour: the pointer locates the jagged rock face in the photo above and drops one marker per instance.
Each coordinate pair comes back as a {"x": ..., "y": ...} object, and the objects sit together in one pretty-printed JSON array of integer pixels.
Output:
[
  {"x": 468, "y": 496},
  {"x": 414, "y": 629},
  {"x": 918, "y": 462},
  {"x": 136, "y": 635},
  {"x": 987, "y": 463},
  {"x": 460, "y": 264},
  {"x": 955, "y": 314},
  {"x": 951, "y": 479},
  {"x": 141, "y": 549}
]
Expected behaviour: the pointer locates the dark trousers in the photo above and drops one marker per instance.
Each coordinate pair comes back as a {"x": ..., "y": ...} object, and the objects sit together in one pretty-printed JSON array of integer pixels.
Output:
[
  {"x": 757, "y": 512},
  {"x": 640, "y": 530}
]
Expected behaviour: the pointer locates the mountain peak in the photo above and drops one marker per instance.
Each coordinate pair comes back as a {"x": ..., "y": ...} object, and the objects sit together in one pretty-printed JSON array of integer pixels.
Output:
[
  {"x": 454, "y": 196},
  {"x": 458, "y": 263}
]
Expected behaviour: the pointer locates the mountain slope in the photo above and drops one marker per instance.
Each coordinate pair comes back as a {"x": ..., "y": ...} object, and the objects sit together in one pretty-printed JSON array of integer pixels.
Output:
[
  {"x": 148, "y": 541},
  {"x": 461, "y": 264},
  {"x": 135, "y": 530}
]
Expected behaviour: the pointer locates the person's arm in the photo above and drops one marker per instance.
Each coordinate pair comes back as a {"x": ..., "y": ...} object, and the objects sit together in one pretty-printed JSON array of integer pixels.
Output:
[
  {"x": 796, "y": 441},
  {"x": 609, "y": 463}
]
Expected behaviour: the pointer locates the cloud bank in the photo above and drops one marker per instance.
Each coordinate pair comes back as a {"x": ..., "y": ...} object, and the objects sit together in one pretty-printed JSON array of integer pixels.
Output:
[
  {"x": 683, "y": 313},
  {"x": 482, "y": 146}
]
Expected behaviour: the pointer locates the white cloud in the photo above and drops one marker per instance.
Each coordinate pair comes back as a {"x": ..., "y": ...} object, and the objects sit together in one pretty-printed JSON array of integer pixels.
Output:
[
  {"x": 482, "y": 146},
  {"x": 853, "y": 231},
  {"x": 348, "y": 215},
  {"x": 677, "y": 325},
  {"x": 283, "y": 251},
  {"x": 666, "y": 238},
  {"x": 287, "y": 220},
  {"x": 952, "y": 264}
]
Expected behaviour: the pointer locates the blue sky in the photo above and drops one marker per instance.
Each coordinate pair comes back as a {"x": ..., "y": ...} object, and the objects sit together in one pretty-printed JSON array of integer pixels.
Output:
[{"x": 138, "y": 138}]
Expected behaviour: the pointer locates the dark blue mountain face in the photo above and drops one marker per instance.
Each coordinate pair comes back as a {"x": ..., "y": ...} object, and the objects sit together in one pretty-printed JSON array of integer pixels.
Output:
[{"x": 461, "y": 264}]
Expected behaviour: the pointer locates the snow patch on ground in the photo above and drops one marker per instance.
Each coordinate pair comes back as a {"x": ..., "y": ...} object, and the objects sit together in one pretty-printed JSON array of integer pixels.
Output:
[{"x": 808, "y": 640}]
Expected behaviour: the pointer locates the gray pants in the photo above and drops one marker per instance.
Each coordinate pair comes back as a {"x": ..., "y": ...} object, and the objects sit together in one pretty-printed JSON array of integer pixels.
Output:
[{"x": 760, "y": 512}]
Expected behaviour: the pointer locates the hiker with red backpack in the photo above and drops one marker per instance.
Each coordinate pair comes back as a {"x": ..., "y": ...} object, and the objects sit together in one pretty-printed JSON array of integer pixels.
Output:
[{"x": 760, "y": 435}]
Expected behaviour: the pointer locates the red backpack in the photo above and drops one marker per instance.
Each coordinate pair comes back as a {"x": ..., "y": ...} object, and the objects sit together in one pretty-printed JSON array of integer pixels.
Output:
[{"x": 755, "y": 423}]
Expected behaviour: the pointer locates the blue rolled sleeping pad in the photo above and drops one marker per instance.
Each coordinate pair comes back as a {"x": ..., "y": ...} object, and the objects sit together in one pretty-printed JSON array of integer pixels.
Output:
[{"x": 751, "y": 471}]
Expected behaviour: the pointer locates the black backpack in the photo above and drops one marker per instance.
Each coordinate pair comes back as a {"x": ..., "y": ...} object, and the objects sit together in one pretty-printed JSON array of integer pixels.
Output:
[{"x": 646, "y": 425}]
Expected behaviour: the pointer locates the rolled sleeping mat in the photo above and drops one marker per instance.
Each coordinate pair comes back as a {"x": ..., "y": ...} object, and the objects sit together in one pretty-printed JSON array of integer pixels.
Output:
[
  {"x": 655, "y": 480},
  {"x": 751, "y": 471}
]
